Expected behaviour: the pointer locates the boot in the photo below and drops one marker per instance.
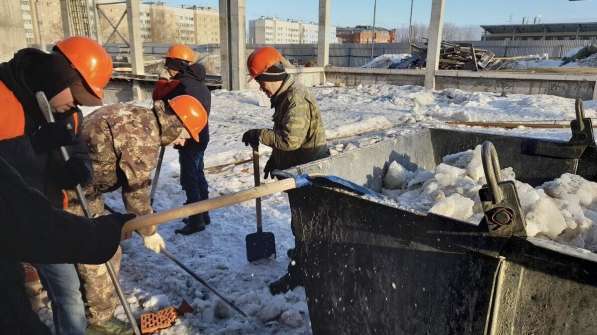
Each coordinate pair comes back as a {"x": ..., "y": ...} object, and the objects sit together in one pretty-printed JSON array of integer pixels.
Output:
[
  {"x": 194, "y": 225},
  {"x": 284, "y": 284},
  {"x": 110, "y": 327},
  {"x": 206, "y": 219}
]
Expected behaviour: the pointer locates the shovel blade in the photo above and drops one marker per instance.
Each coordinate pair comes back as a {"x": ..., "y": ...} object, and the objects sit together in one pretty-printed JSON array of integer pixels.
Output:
[{"x": 260, "y": 245}]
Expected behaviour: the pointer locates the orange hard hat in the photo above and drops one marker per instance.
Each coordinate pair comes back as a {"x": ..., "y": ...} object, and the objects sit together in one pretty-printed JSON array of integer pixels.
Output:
[
  {"x": 262, "y": 59},
  {"x": 182, "y": 52},
  {"x": 90, "y": 59},
  {"x": 191, "y": 112}
]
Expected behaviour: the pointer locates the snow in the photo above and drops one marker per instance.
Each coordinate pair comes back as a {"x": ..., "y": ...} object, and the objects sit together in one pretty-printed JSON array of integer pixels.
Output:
[
  {"x": 385, "y": 61},
  {"x": 354, "y": 117},
  {"x": 556, "y": 210}
]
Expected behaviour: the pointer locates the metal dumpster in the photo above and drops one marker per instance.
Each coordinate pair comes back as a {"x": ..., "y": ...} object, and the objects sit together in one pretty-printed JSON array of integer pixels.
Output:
[{"x": 371, "y": 268}]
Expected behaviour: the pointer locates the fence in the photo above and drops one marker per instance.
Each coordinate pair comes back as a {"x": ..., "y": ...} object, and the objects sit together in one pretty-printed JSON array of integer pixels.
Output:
[{"x": 355, "y": 55}]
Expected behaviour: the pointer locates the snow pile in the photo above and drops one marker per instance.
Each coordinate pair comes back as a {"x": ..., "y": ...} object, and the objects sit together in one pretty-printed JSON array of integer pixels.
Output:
[
  {"x": 386, "y": 61},
  {"x": 563, "y": 209}
]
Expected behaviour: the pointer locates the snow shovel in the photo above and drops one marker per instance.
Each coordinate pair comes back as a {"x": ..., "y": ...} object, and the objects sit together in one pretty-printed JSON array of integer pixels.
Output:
[
  {"x": 46, "y": 109},
  {"x": 261, "y": 244},
  {"x": 291, "y": 182}
]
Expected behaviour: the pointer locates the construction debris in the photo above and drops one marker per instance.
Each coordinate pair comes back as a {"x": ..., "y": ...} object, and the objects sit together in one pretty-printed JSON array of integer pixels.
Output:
[{"x": 453, "y": 56}]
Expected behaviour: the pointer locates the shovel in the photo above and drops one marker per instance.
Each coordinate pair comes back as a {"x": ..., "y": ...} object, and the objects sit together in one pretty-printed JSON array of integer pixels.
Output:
[
  {"x": 289, "y": 183},
  {"x": 261, "y": 244}
]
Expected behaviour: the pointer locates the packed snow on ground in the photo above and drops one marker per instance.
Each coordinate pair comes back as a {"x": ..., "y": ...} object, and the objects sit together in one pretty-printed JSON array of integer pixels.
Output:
[
  {"x": 354, "y": 117},
  {"x": 562, "y": 209},
  {"x": 385, "y": 61}
]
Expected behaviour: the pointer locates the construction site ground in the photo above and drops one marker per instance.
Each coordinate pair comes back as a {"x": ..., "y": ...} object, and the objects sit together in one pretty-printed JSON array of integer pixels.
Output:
[{"x": 354, "y": 117}]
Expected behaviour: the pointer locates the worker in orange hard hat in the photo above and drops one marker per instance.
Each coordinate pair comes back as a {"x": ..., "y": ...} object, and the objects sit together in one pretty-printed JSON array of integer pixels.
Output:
[
  {"x": 297, "y": 137},
  {"x": 188, "y": 77},
  {"x": 124, "y": 141},
  {"x": 74, "y": 73}
]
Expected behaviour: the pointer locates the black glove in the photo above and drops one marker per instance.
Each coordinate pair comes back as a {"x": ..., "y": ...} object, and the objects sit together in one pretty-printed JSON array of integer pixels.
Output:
[
  {"x": 51, "y": 136},
  {"x": 251, "y": 137},
  {"x": 114, "y": 218},
  {"x": 77, "y": 171},
  {"x": 269, "y": 167}
]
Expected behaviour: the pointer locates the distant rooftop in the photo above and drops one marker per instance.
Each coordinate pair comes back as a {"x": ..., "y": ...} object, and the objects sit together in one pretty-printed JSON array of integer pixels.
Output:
[{"x": 541, "y": 27}]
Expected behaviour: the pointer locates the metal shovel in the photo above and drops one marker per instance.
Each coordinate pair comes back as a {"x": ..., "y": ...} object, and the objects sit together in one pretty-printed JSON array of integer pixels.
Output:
[{"x": 261, "y": 244}]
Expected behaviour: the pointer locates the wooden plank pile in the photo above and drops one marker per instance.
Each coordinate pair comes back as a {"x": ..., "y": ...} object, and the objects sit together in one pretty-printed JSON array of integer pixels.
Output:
[{"x": 454, "y": 56}]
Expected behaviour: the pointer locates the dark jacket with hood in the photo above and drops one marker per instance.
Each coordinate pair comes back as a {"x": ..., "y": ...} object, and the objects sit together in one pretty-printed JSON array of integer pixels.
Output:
[
  {"x": 31, "y": 229},
  {"x": 192, "y": 82},
  {"x": 34, "y": 231},
  {"x": 30, "y": 71}
]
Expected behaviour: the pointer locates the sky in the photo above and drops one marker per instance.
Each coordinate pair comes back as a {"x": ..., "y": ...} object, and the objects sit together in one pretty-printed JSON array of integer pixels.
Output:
[{"x": 394, "y": 13}]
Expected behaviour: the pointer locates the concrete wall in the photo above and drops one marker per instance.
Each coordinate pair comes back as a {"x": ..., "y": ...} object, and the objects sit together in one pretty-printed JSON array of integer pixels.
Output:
[
  {"x": 569, "y": 86},
  {"x": 12, "y": 28},
  {"x": 355, "y": 55}
]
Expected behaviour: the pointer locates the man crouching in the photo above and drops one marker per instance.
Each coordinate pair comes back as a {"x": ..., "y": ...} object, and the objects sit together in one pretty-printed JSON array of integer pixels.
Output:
[{"x": 124, "y": 141}]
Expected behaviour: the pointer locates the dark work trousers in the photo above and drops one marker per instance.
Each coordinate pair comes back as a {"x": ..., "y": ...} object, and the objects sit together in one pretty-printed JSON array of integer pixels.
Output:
[{"x": 192, "y": 177}]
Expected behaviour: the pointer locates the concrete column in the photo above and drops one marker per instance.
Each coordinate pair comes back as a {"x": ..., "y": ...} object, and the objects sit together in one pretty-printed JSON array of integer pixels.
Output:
[
  {"x": 323, "y": 41},
  {"x": 436, "y": 26},
  {"x": 64, "y": 13},
  {"x": 96, "y": 21},
  {"x": 11, "y": 26},
  {"x": 232, "y": 44},
  {"x": 135, "y": 45}
]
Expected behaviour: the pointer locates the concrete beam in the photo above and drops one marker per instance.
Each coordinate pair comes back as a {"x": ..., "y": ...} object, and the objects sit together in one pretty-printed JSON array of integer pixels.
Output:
[
  {"x": 136, "y": 45},
  {"x": 323, "y": 42},
  {"x": 64, "y": 14},
  {"x": 436, "y": 26},
  {"x": 232, "y": 44}
]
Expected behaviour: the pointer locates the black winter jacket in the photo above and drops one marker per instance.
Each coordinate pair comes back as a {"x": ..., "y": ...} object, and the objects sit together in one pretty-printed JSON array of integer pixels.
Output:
[
  {"x": 192, "y": 82},
  {"x": 33, "y": 231},
  {"x": 32, "y": 70}
]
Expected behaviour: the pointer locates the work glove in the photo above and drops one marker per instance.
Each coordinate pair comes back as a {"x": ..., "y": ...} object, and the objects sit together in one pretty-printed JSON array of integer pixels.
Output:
[
  {"x": 269, "y": 167},
  {"x": 251, "y": 137},
  {"x": 50, "y": 136},
  {"x": 77, "y": 171},
  {"x": 154, "y": 242}
]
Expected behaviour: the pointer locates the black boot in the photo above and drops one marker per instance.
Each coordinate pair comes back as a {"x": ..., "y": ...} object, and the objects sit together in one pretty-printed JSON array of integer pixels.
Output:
[
  {"x": 193, "y": 225},
  {"x": 288, "y": 281}
]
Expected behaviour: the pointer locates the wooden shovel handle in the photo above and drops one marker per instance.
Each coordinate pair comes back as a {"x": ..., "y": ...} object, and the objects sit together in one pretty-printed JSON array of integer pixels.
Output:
[{"x": 207, "y": 205}]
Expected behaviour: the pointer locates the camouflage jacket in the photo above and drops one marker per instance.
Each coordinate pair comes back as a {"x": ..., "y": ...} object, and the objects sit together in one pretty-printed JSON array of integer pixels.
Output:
[
  {"x": 124, "y": 142},
  {"x": 298, "y": 135}
]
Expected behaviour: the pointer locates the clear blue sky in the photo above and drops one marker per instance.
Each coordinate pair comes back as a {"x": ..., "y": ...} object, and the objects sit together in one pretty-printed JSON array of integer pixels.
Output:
[{"x": 392, "y": 13}]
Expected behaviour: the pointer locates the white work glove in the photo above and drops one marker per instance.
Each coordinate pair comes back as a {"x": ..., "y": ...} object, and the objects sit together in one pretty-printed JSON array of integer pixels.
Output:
[{"x": 154, "y": 242}]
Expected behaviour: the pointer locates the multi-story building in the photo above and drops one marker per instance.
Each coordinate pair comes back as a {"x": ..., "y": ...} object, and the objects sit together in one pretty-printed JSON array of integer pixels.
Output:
[
  {"x": 166, "y": 24},
  {"x": 43, "y": 22},
  {"x": 365, "y": 34},
  {"x": 268, "y": 30}
]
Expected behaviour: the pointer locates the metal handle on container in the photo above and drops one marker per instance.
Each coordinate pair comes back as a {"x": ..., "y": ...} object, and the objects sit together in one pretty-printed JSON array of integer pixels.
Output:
[
  {"x": 491, "y": 166},
  {"x": 580, "y": 114}
]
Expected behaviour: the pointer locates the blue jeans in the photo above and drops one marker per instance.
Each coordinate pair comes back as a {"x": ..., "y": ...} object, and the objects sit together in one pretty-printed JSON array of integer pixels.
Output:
[
  {"x": 192, "y": 177},
  {"x": 62, "y": 284}
]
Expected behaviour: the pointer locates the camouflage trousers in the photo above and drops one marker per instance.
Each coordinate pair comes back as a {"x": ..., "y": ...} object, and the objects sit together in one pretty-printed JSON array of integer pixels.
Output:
[{"x": 98, "y": 290}]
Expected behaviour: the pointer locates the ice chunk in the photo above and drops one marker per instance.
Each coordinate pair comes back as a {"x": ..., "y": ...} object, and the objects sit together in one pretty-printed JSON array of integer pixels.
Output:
[
  {"x": 544, "y": 217},
  {"x": 397, "y": 176},
  {"x": 455, "y": 206}
]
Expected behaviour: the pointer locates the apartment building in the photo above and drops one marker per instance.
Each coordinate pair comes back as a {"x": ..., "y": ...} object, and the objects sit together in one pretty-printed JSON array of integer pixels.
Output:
[
  {"x": 269, "y": 30},
  {"x": 166, "y": 24}
]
